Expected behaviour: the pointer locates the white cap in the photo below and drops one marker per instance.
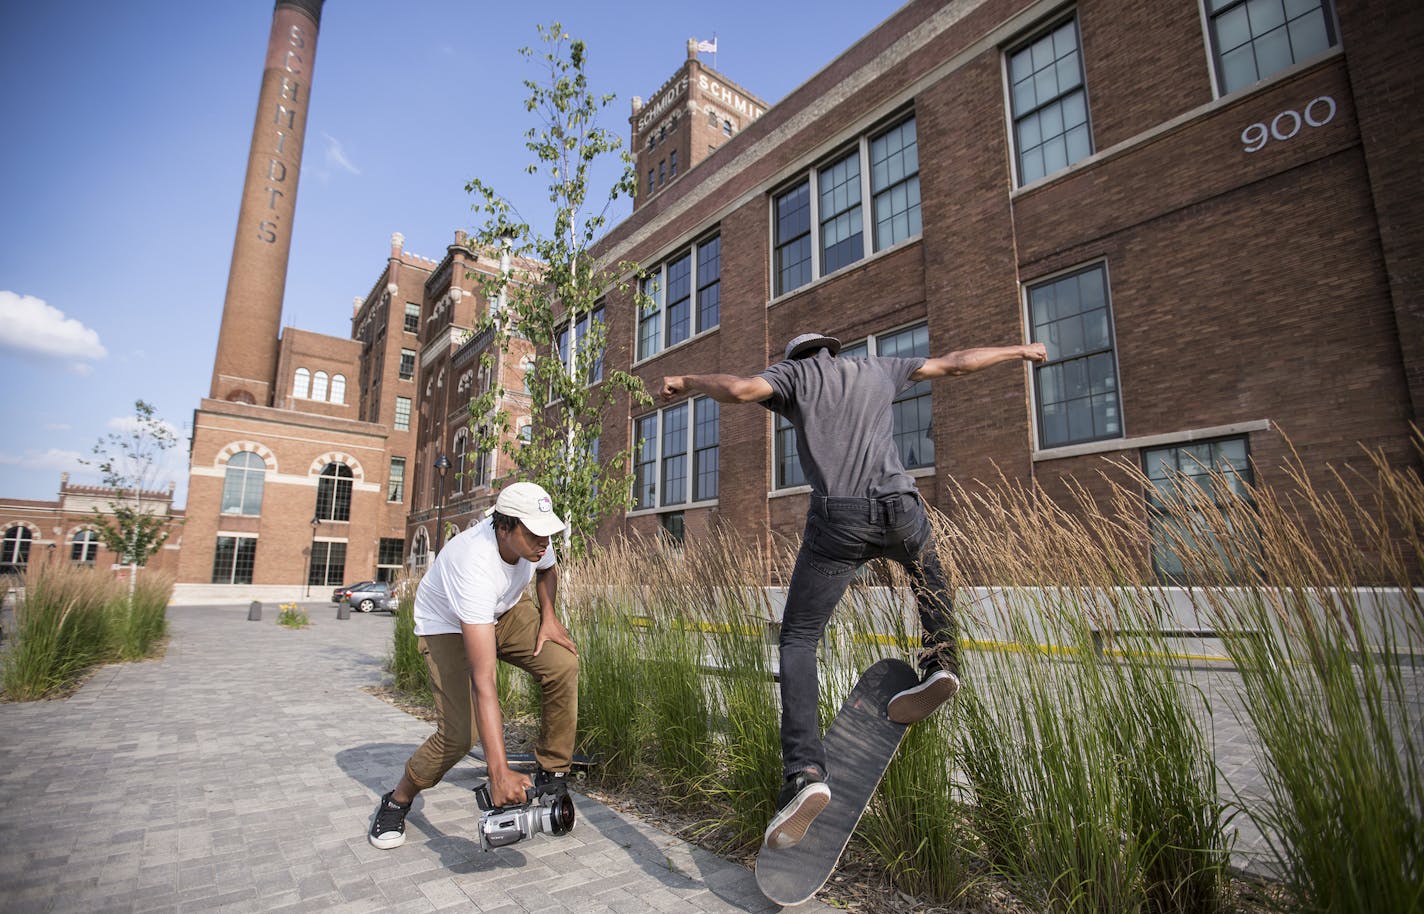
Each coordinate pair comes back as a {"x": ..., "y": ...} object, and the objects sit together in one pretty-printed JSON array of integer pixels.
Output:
[{"x": 531, "y": 504}]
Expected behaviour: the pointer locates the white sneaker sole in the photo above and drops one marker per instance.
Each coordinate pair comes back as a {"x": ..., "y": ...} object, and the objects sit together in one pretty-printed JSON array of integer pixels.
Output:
[
  {"x": 789, "y": 826},
  {"x": 915, "y": 704},
  {"x": 386, "y": 844}
]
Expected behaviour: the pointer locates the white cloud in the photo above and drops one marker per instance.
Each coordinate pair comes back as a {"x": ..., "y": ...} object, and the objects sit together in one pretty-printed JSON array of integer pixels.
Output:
[
  {"x": 31, "y": 325},
  {"x": 336, "y": 155},
  {"x": 52, "y": 459}
]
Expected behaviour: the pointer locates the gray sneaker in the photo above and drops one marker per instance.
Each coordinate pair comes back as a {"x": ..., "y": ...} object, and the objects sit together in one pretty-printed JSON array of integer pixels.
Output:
[{"x": 918, "y": 702}]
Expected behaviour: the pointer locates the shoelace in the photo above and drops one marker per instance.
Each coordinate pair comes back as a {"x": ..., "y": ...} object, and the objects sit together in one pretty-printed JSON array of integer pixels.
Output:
[{"x": 390, "y": 818}]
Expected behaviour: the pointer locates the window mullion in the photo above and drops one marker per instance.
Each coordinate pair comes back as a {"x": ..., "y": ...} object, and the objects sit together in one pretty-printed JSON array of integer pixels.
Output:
[
  {"x": 814, "y": 188},
  {"x": 867, "y": 209}
]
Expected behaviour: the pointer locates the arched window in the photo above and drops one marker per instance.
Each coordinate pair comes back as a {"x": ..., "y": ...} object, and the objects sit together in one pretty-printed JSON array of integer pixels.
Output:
[
  {"x": 338, "y": 388},
  {"x": 333, "y": 493},
  {"x": 526, "y": 433},
  {"x": 85, "y": 547},
  {"x": 319, "y": 386},
  {"x": 462, "y": 444},
  {"x": 301, "y": 386},
  {"x": 15, "y": 548},
  {"x": 419, "y": 550},
  {"x": 526, "y": 370},
  {"x": 242, "y": 484}
]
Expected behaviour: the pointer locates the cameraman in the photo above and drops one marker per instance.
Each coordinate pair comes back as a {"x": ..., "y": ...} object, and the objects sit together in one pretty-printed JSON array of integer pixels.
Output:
[{"x": 472, "y": 609}]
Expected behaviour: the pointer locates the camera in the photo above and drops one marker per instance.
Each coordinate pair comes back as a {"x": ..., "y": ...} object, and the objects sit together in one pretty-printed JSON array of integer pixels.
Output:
[{"x": 548, "y": 808}]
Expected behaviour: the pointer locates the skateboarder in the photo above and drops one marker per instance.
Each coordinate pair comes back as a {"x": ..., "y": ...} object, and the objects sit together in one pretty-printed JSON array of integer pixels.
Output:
[
  {"x": 863, "y": 506},
  {"x": 471, "y": 610}
]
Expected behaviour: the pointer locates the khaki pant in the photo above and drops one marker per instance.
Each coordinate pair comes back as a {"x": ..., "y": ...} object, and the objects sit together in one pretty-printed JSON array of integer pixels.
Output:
[{"x": 555, "y": 670}]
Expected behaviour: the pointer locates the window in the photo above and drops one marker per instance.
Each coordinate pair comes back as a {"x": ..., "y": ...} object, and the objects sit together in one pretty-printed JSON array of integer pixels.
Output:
[
  {"x": 650, "y": 180},
  {"x": 590, "y": 363},
  {"x": 1252, "y": 40},
  {"x": 841, "y": 229},
  {"x": 301, "y": 384},
  {"x": 672, "y": 164},
  {"x": 328, "y": 564},
  {"x": 792, "y": 212},
  {"x": 15, "y": 548},
  {"x": 1076, "y": 388},
  {"x": 669, "y": 314},
  {"x": 895, "y": 184},
  {"x": 480, "y": 465},
  {"x": 407, "y": 364},
  {"x": 662, "y": 171},
  {"x": 676, "y": 454},
  {"x": 1049, "y": 103},
  {"x": 420, "y": 552},
  {"x": 412, "y": 317},
  {"x": 233, "y": 559},
  {"x": 462, "y": 444},
  {"x": 402, "y": 420},
  {"x": 338, "y": 388},
  {"x": 819, "y": 223},
  {"x": 242, "y": 484},
  {"x": 319, "y": 381},
  {"x": 395, "y": 484},
  {"x": 673, "y": 525},
  {"x": 1181, "y": 486},
  {"x": 85, "y": 547},
  {"x": 911, "y": 409},
  {"x": 333, "y": 493},
  {"x": 390, "y": 558},
  {"x": 709, "y": 283},
  {"x": 727, "y": 127}
]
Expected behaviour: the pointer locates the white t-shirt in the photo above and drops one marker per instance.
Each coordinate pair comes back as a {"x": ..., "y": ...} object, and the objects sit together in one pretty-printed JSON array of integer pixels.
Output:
[{"x": 470, "y": 582}]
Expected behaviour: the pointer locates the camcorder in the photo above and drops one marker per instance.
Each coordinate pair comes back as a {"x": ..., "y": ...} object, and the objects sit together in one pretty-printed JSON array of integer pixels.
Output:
[{"x": 548, "y": 808}]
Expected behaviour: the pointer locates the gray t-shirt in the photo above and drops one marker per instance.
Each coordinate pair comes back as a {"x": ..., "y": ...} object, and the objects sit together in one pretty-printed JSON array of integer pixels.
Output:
[{"x": 841, "y": 410}]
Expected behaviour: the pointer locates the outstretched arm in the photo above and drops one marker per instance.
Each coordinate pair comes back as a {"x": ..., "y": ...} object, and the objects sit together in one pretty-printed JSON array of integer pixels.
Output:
[
  {"x": 968, "y": 361},
  {"x": 724, "y": 388}
]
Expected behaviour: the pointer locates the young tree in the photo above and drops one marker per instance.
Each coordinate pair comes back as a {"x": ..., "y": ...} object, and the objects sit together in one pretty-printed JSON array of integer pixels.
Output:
[
  {"x": 555, "y": 303},
  {"x": 129, "y": 462}
]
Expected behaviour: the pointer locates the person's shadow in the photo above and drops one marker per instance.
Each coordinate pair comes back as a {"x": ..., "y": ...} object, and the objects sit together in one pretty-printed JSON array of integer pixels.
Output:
[{"x": 377, "y": 767}]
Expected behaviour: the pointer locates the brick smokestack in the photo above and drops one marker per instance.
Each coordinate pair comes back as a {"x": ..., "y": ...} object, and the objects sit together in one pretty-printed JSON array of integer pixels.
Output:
[{"x": 246, "y": 363}]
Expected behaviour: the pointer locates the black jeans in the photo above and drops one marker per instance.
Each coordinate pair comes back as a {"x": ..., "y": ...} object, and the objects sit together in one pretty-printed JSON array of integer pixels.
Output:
[{"x": 841, "y": 535}]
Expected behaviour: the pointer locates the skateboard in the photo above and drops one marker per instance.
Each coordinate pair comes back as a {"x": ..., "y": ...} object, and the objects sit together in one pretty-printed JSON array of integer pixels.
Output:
[
  {"x": 524, "y": 761},
  {"x": 859, "y": 746}
]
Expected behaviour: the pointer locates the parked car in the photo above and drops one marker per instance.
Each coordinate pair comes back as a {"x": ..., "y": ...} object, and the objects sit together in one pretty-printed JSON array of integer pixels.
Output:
[
  {"x": 344, "y": 592},
  {"x": 374, "y": 595}
]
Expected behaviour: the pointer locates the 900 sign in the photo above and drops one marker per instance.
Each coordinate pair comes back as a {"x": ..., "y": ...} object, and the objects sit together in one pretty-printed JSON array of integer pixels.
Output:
[{"x": 1318, "y": 112}]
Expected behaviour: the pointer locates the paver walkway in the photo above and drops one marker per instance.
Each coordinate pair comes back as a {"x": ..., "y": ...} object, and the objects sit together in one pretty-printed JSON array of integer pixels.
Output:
[{"x": 240, "y": 771}]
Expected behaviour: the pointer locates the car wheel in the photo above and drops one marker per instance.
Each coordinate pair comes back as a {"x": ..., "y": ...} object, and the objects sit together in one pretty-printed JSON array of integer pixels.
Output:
[{"x": 367, "y": 605}]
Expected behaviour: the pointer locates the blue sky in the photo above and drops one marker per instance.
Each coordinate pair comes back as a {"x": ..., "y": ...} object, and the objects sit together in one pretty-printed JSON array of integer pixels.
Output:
[{"x": 129, "y": 130}]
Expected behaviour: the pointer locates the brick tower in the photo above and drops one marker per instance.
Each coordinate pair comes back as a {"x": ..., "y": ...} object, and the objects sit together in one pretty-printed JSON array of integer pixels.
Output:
[{"x": 246, "y": 361}]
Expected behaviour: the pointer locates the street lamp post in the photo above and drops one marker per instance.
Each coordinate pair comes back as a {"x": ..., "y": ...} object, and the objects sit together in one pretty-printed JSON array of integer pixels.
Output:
[
  {"x": 442, "y": 463},
  {"x": 311, "y": 553}
]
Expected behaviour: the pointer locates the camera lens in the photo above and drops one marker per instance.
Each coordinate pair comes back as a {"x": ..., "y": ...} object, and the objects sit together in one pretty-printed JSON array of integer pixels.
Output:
[{"x": 561, "y": 816}]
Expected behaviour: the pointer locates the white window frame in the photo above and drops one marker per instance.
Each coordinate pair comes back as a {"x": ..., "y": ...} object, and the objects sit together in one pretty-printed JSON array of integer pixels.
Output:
[
  {"x": 689, "y": 453},
  {"x": 870, "y": 243},
  {"x": 398, "y": 422},
  {"x": 654, "y": 285}
]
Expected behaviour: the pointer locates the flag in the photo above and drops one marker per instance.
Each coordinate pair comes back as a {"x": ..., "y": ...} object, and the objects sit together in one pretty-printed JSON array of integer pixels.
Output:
[{"x": 707, "y": 47}]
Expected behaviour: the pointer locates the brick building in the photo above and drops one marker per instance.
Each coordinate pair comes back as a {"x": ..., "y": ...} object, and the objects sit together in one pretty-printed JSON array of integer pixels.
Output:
[
  {"x": 35, "y": 532},
  {"x": 1209, "y": 213}
]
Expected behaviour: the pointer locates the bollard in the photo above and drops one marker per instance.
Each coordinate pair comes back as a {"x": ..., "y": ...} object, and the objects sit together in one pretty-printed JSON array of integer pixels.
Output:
[
  {"x": 254, "y": 612},
  {"x": 343, "y": 610}
]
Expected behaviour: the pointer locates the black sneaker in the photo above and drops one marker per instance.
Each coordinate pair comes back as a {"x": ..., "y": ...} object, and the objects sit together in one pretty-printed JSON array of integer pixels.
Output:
[
  {"x": 799, "y": 803},
  {"x": 918, "y": 702},
  {"x": 560, "y": 778},
  {"x": 388, "y": 829}
]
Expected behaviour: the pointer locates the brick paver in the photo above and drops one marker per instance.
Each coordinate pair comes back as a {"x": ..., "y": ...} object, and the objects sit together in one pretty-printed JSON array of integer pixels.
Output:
[{"x": 240, "y": 771}]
